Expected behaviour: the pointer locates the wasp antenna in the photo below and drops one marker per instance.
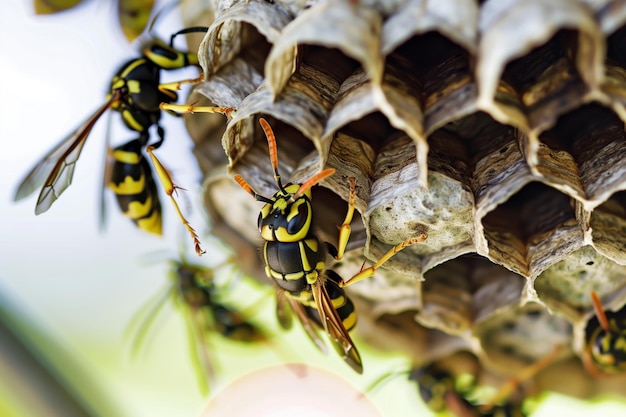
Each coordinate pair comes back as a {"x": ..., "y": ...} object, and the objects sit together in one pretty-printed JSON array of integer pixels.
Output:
[
  {"x": 600, "y": 313},
  {"x": 170, "y": 188},
  {"x": 312, "y": 181},
  {"x": 192, "y": 29},
  {"x": 244, "y": 184},
  {"x": 271, "y": 143}
]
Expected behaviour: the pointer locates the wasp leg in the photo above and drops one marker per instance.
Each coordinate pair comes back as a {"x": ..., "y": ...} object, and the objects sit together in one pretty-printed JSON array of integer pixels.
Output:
[
  {"x": 229, "y": 112},
  {"x": 168, "y": 185},
  {"x": 169, "y": 88},
  {"x": 370, "y": 271},
  {"x": 345, "y": 229},
  {"x": 525, "y": 374}
]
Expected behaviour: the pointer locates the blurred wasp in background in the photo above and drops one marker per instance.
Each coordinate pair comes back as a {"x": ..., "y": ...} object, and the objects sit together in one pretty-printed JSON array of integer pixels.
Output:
[
  {"x": 605, "y": 353},
  {"x": 295, "y": 259},
  {"x": 198, "y": 292},
  {"x": 133, "y": 15},
  {"x": 450, "y": 395},
  {"x": 449, "y": 390},
  {"x": 136, "y": 93}
]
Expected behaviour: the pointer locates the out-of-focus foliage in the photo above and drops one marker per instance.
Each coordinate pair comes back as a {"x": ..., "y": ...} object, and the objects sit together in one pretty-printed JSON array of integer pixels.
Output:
[
  {"x": 54, "y": 6},
  {"x": 133, "y": 15}
]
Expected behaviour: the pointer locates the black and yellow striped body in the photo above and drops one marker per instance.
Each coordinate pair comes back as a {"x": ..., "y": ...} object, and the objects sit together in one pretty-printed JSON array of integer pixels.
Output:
[
  {"x": 608, "y": 347},
  {"x": 139, "y": 105},
  {"x": 232, "y": 325},
  {"x": 197, "y": 290},
  {"x": 135, "y": 189},
  {"x": 434, "y": 386},
  {"x": 444, "y": 394},
  {"x": 295, "y": 260},
  {"x": 294, "y": 256},
  {"x": 341, "y": 302},
  {"x": 198, "y": 296},
  {"x": 139, "y": 80},
  {"x": 136, "y": 93}
]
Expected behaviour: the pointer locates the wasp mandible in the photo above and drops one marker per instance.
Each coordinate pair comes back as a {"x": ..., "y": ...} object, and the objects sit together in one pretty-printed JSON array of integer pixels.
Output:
[{"x": 295, "y": 258}]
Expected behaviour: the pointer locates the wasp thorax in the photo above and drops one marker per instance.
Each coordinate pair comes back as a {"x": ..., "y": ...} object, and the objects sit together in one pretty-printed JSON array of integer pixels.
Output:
[{"x": 286, "y": 219}]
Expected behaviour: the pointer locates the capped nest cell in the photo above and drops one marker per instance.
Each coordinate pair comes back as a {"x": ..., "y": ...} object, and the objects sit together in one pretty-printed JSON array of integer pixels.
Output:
[{"x": 497, "y": 128}]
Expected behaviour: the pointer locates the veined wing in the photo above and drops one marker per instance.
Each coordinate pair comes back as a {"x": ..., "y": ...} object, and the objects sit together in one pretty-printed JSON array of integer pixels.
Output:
[
  {"x": 107, "y": 170},
  {"x": 56, "y": 169},
  {"x": 200, "y": 352},
  {"x": 282, "y": 314},
  {"x": 284, "y": 318},
  {"x": 143, "y": 320},
  {"x": 333, "y": 325}
]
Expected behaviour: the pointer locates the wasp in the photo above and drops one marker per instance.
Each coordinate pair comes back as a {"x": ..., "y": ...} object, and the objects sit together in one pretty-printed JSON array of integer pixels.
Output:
[
  {"x": 295, "y": 259},
  {"x": 132, "y": 14},
  {"x": 444, "y": 394},
  {"x": 605, "y": 352},
  {"x": 135, "y": 92},
  {"x": 194, "y": 290},
  {"x": 447, "y": 391}
]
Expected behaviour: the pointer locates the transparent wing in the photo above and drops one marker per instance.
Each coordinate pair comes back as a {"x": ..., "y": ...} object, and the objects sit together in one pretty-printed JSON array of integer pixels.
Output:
[
  {"x": 55, "y": 171},
  {"x": 199, "y": 349},
  {"x": 284, "y": 318},
  {"x": 333, "y": 325},
  {"x": 143, "y": 321},
  {"x": 282, "y": 313},
  {"x": 106, "y": 175}
]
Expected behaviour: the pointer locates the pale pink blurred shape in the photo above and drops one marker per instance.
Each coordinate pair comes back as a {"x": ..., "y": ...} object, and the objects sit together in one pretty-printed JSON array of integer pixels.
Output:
[{"x": 290, "y": 390}]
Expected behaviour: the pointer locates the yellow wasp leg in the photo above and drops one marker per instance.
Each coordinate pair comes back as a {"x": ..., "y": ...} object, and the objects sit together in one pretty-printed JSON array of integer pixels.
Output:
[
  {"x": 345, "y": 229},
  {"x": 229, "y": 112},
  {"x": 370, "y": 271},
  {"x": 528, "y": 372},
  {"x": 168, "y": 185},
  {"x": 169, "y": 88}
]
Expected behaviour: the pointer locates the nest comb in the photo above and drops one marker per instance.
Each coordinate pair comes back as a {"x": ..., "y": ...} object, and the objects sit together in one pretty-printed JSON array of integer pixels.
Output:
[{"x": 496, "y": 128}]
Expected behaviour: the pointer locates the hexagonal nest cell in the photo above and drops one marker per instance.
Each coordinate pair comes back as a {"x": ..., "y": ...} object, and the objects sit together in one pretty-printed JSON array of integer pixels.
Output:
[{"x": 497, "y": 128}]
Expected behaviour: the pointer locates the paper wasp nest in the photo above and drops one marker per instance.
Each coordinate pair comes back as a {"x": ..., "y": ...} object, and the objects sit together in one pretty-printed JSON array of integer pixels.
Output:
[{"x": 496, "y": 128}]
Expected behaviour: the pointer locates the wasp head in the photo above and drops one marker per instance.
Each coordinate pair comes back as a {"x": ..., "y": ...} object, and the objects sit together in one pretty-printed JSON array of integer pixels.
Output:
[
  {"x": 608, "y": 350},
  {"x": 287, "y": 216}
]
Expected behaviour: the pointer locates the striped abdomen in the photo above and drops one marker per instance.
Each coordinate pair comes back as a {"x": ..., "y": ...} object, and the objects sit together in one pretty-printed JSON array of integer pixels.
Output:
[
  {"x": 134, "y": 187},
  {"x": 338, "y": 296}
]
